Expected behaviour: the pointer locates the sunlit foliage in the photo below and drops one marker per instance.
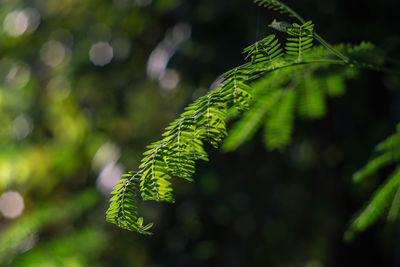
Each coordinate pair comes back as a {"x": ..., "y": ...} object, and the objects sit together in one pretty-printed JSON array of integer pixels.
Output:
[{"x": 279, "y": 80}]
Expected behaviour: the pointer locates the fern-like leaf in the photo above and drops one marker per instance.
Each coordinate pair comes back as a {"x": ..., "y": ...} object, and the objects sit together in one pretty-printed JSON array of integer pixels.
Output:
[
  {"x": 154, "y": 181},
  {"x": 251, "y": 121},
  {"x": 311, "y": 101},
  {"x": 278, "y": 127},
  {"x": 210, "y": 116},
  {"x": 122, "y": 209},
  {"x": 300, "y": 40},
  {"x": 375, "y": 165},
  {"x": 264, "y": 51},
  {"x": 387, "y": 152},
  {"x": 280, "y": 7},
  {"x": 379, "y": 202},
  {"x": 309, "y": 97},
  {"x": 390, "y": 144},
  {"x": 265, "y": 89},
  {"x": 235, "y": 90},
  {"x": 184, "y": 149}
]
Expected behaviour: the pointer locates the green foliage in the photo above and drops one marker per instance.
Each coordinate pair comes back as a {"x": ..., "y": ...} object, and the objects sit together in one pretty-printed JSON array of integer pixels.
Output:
[
  {"x": 64, "y": 251},
  {"x": 311, "y": 101},
  {"x": 266, "y": 50},
  {"x": 280, "y": 7},
  {"x": 278, "y": 128},
  {"x": 69, "y": 125},
  {"x": 387, "y": 152},
  {"x": 300, "y": 40},
  {"x": 269, "y": 89},
  {"x": 122, "y": 210},
  {"x": 251, "y": 120},
  {"x": 12, "y": 240}
]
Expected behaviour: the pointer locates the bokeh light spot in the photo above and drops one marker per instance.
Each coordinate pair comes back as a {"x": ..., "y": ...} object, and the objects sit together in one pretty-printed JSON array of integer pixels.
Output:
[
  {"x": 160, "y": 56},
  {"x": 109, "y": 177},
  {"x": 22, "y": 126},
  {"x": 107, "y": 153},
  {"x": 16, "y": 23},
  {"x": 169, "y": 80},
  {"x": 101, "y": 53},
  {"x": 16, "y": 74},
  {"x": 53, "y": 53},
  {"x": 11, "y": 204},
  {"x": 19, "y": 22}
]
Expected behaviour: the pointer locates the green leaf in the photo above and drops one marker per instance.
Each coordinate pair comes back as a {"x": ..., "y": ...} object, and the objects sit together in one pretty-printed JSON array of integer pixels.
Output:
[
  {"x": 379, "y": 202},
  {"x": 279, "y": 125}
]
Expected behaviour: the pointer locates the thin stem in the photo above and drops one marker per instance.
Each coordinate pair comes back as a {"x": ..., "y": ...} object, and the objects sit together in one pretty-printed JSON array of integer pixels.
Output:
[
  {"x": 317, "y": 61},
  {"x": 351, "y": 64},
  {"x": 331, "y": 48}
]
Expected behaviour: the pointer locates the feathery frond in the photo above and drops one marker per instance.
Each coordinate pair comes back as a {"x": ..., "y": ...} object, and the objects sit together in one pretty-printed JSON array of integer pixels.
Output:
[
  {"x": 237, "y": 92},
  {"x": 268, "y": 90},
  {"x": 279, "y": 124},
  {"x": 280, "y": 7},
  {"x": 154, "y": 174},
  {"x": 379, "y": 202},
  {"x": 311, "y": 102},
  {"x": 387, "y": 152},
  {"x": 300, "y": 40},
  {"x": 122, "y": 209},
  {"x": 251, "y": 120},
  {"x": 264, "y": 51}
]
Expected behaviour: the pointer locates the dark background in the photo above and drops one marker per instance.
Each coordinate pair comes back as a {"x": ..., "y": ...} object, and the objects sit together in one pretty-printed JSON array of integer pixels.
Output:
[{"x": 82, "y": 122}]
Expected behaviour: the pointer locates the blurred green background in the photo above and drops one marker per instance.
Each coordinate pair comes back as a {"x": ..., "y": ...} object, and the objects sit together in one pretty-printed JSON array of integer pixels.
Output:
[{"x": 86, "y": 85}]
